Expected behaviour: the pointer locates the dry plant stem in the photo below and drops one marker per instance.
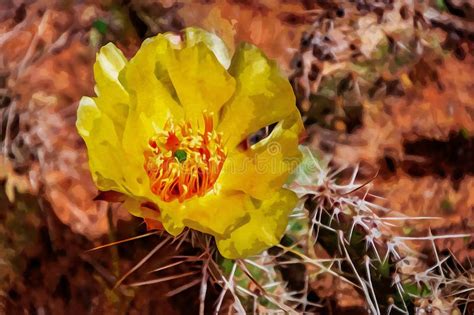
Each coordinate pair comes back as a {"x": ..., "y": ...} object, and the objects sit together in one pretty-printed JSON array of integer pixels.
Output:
[
  {"x": 203, "y": 289},
  {"x": 228, "y": 285},
  {"x": 187, "y": 259},
  {"x": 345, "y": 224},
  {"x": 112, "y": 237},
  {"x": 122, "y": 241},
  {"x": 183, "y": 288},
  {"x": 174, "y": 277},
  {"x": 350, "y": 238},
  {"x": 144, "y": 259},
  {"x": 365, "y": 250}
]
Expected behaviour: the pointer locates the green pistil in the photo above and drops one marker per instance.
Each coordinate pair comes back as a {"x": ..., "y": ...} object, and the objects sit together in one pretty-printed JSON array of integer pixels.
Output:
[{"x": 180, "y": 155}]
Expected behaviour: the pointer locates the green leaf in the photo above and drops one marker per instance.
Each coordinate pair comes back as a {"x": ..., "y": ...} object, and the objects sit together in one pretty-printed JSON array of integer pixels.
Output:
[
  {"x": 441, "y": 5},
  {"x": 101, "y": 26}
]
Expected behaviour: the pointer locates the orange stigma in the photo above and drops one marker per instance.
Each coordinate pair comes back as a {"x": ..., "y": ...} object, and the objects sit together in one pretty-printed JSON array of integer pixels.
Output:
[{"x": 183, "y": 161}]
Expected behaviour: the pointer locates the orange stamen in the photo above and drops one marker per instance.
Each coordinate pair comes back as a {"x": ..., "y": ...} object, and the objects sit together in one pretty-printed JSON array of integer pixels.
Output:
[{"x": 183, "y": 161}]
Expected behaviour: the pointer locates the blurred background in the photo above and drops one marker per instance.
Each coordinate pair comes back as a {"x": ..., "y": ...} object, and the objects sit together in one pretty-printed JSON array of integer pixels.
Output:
[{"x": 385, "y": 86}]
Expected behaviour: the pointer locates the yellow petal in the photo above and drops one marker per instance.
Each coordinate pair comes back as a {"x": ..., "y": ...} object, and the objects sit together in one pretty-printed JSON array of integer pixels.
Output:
[
  {"x": 103, "y": 145},
  {"x": 148, "y": 81},
  {"x": 110, "y": 61},
  {"x": 265, "y": 228},
  {"x": 152, "y": 96},
  {"x": 101, "y": 122},
  {"x": 111, "y": 167},
  {"x": 135, "y": 208},
  {"x": 112, "y": 96},
  {"x": 263, "y": 96},
  {"x": 152, "y": 101},
  {"x": 164, "y": 76},
  {"x": 213, "y": 42},
  {"x": 201, "y": 82},
  {"x": 214, "y": 213},
  {"x": 265, "y": 167}
]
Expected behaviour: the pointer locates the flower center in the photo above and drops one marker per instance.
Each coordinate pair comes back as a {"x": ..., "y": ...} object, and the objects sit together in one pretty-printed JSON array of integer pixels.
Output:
[{"x": 183, "y": 161}]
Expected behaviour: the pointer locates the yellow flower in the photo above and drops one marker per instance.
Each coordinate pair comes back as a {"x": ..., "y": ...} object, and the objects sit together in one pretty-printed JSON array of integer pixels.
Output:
[{"x": 168, "y": 129}]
